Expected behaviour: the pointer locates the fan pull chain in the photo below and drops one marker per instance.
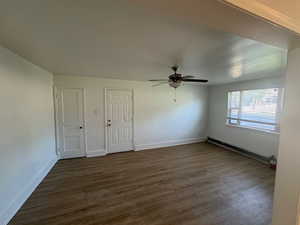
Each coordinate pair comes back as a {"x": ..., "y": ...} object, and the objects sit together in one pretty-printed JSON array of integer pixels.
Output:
[{"x": 175, "y": 96}]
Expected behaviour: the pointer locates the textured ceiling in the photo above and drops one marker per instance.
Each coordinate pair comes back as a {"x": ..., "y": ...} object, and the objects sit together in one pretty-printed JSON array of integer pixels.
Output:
[{"x": 137, "y": 40}]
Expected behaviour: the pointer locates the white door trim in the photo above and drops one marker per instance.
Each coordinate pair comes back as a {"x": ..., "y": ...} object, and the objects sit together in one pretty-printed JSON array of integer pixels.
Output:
[
  {"x": 58, "y": 97},
  {"x": 105, "y": 116},
  {"x": 56, "y": 128}
]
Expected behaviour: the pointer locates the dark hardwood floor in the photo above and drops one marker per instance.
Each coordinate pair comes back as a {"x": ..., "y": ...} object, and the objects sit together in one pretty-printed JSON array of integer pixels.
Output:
[{"x": 197, "y": 184}]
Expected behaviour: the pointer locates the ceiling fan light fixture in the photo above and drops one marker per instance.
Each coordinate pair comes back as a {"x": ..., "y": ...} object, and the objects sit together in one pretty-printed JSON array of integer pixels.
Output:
[{"x": 175, "y": 84}]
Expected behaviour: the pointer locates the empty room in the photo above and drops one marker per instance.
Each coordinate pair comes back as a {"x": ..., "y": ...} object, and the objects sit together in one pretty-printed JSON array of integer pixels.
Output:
[{"x": 149, "y": 112}]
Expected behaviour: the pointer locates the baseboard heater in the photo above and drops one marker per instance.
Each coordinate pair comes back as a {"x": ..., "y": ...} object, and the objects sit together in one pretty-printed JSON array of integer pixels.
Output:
[{"x": 239, "y": 150}]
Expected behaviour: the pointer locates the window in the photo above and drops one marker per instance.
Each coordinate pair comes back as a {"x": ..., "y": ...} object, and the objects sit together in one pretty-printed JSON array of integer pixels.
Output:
[{"x": 257, "y": 109}]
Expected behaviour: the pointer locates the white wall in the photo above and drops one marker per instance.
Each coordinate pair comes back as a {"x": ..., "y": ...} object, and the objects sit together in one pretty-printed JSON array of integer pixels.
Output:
[
  {"x": 259, "y": 142},
  {"x": 157, "y": 119},
  {"x": 27, "y": 144},
  {"x": 287, "y": 185}
]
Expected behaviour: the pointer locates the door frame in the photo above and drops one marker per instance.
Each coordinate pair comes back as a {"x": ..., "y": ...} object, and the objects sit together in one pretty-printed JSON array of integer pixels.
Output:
[
  {"x": 58, "y": 97},
  {"x": 56, "y": 123},
  {"x": 105, "y": 117}
]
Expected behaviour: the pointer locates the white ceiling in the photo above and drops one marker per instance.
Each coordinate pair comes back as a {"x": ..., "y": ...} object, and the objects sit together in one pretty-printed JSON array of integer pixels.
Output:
[{"x": 124, "y": 39}]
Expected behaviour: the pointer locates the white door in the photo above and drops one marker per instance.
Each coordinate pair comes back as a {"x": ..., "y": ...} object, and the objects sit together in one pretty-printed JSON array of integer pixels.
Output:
[
  {"x": 71, "y": 122},
  {"x": 119, "y": 120}
]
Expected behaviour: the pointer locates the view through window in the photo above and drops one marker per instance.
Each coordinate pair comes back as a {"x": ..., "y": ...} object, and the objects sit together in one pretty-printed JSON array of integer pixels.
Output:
[{"x": 258, "y": 109}]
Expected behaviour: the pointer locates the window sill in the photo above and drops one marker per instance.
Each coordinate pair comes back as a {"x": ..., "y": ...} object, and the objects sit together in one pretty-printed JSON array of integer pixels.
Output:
[{"x": 253, "y": 129}]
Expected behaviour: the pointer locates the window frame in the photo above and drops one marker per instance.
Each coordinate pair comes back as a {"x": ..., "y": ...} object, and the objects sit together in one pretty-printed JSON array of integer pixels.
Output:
[{"x": 279, "y": 106}]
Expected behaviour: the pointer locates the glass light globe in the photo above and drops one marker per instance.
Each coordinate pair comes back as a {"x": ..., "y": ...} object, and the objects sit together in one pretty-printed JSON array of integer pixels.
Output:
[{"x": 174, "y": 84}]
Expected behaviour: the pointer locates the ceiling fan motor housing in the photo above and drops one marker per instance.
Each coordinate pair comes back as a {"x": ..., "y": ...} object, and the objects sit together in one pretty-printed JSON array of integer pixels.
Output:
[
  {"x": 175, "y": 80},
  {"x": 175, "y": 77}
]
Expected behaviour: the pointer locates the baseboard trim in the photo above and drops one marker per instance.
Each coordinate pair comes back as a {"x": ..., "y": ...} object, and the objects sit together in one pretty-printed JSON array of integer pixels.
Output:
[
  {"x": 169, "y": 143},
  {"x": 21, "y": 198},
  {"x": 239, "y": 150},
  {"x": 96, "y": 153},
  {"x": 73, "y": 155}
]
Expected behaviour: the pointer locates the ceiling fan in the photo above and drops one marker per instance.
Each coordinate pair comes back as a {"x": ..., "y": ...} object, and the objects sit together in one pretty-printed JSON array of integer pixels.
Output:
[{"x": 176, "y": 79}]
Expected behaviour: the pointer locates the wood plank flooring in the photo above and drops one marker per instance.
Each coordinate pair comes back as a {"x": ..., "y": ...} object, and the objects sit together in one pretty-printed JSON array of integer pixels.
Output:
[{"x": 197, "y": 184}]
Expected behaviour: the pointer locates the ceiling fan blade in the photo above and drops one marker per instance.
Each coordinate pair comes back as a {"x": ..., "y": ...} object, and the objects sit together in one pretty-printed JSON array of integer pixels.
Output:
[
  {"x": 159, "y": 80},
  {"x": 195, "y": 80},
  {"x": 188, "y": 77},
  {"x": 160, "y": 83}
]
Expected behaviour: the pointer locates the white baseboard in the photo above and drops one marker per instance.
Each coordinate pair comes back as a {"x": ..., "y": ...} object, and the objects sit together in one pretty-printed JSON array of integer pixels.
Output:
[
  {"x": 95, "y": 153},
  {"x": 27, "y": 190},
  {"x": 140, "y": 147},
  {"x": 72, "y": 155}
]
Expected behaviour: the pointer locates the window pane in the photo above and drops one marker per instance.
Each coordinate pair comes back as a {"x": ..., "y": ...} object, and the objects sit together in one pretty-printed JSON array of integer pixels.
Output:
[
  {"x": 259, "y": 105},
  {"x": 233, "y": 104},
  {"x": 254, "y": 108},
  {"x": 257, "y": 125},
  {"x": 234, "y": 99},
  {"x": 234, "y": 113}
]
